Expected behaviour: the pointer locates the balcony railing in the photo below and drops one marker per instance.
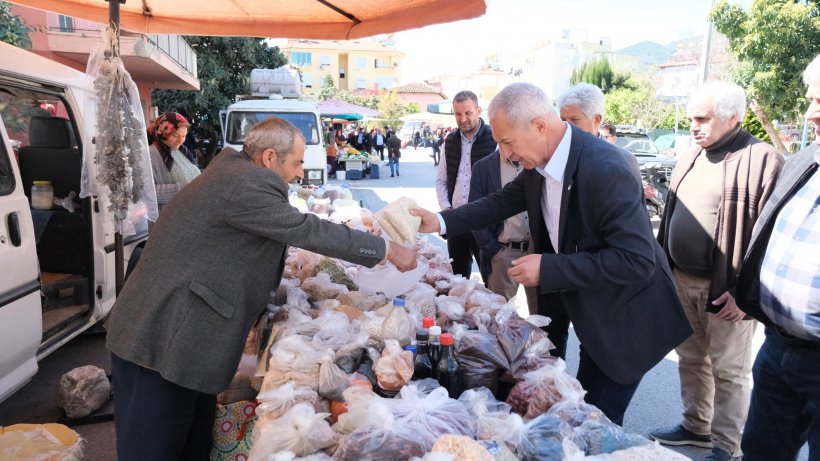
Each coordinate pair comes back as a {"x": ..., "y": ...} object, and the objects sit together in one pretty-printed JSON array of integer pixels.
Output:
[{"x": 177, "y": 49}]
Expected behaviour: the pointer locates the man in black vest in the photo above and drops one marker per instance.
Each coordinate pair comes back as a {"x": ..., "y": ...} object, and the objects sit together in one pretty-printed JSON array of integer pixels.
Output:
[{"x": 472, "y": 141}]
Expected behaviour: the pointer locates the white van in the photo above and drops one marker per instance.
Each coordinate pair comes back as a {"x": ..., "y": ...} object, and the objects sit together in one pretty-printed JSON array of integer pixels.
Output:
[
  {"x": 275, "y": 92},
  {"x": 241, "y": 116},
  {"x": 56, "y": 266}
]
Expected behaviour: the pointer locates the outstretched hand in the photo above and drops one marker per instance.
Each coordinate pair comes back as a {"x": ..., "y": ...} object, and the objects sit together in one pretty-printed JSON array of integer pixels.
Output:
[
  {"x": 429, "y": 220},
  {"x": 526, "y": 270},
  {"x": 402, "y": 257}
]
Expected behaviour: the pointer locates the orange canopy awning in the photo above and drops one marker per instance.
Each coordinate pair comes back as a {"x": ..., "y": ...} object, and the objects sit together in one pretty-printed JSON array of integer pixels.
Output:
[{"x": 317, "y": 19}]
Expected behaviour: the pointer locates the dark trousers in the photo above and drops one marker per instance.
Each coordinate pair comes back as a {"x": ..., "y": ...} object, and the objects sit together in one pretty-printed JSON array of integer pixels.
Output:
[
  {"x": 558, "y": 329},
  {"x": 610, "y": 397},
  {"x": 380, "y": 151},
  {"x": 158, "y": 420},
  {"x": 785, "y": 407},
  {"x": 462, "y": 248}
]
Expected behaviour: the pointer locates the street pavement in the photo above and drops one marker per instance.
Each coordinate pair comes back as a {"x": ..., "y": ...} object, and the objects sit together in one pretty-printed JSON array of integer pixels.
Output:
[{"x": 656, "y": 403}]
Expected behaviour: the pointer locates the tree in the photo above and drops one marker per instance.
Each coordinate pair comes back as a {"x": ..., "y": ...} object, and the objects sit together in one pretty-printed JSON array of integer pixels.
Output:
[
  {"x": 329, "y": 89},
  {"x": 599, "y": 73},
  {"x": 225, "y": 65},
  {"x": 12, "y": 29},
  {"x": 625, "y": 106},
  {"x": 774, "y": 42},
  {"x": 392, "y": 109}
]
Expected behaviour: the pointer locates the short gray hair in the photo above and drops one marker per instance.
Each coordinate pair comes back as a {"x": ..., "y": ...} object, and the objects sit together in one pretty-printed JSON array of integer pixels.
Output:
[
  {"x": 588, "y": 97},
  {"x": 812, "y": 73},
  {"x": 522, "y": 103},
  {"x": 272, "y": 133},
  {"x": 727, "y": 99}
]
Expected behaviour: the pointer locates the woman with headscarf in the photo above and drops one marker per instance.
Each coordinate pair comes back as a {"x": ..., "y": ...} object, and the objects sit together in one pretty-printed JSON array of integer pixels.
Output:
[{"x": 172, "y": 168}]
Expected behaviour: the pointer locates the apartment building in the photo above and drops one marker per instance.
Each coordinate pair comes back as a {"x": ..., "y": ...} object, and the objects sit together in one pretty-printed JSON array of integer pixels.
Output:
[
  {"x": 353, "y": 64},
  {"x": 154, "y": 61}
]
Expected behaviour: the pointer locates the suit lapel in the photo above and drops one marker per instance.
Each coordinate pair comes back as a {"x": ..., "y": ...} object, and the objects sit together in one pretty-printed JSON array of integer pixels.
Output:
[
  {"x": 569, "y": 183},
  {"x": 538, "y": 230}
]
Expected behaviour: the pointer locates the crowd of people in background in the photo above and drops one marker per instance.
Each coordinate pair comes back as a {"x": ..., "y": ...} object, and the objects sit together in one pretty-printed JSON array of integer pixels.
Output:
[{"x": 537, "y": 199}]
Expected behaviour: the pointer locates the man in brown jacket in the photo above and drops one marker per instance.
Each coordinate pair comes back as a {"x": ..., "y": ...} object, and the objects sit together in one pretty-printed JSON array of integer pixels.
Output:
[{"x": 716, "y": 193}]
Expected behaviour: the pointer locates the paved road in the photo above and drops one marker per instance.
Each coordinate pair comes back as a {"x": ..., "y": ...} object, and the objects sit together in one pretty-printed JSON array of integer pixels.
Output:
[{"x": 656, "y": 403}]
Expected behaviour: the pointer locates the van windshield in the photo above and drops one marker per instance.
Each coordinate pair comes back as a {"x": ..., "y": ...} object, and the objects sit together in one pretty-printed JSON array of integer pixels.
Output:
[{"x": 239, "y": 124}]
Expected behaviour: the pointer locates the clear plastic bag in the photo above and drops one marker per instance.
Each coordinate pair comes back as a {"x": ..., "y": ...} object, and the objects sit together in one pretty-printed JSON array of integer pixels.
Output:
[
  {"x": 450, "y": 309},
  {"x": 394, "y": 368},
  {"x": 431, "y": 416},
  {"x": 276, "y": 402},
  {"x": 493, "y": 418},
  {"x": 332, "y": 380},
  {"x": 293, "y": 358},
  {"x": 321, "y": 287},
  {"x": 516, "y": 334},
  {"x": 543, "y": 439},
  {"x": 300, "y": 430},
  {"x": 535, "y": 356},
  {"x": 386, "y": 279},
  {"x": 422, "y": 300},
  {"x": 597, "y": 437},
  {"x": 378, "y": 444},
  {"x": 461, "y": 448},
  {"x": 543, "y": 388},
  {"x": 397, "y": 222},
  {"x": 481, "y": 358},
  {"x": 576, "y": 413},
  {"x": 364, "y": 409}
]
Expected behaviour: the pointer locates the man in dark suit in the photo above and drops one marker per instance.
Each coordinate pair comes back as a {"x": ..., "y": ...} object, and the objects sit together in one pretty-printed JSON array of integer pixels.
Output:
[
  {"x": 594, "y": 247},
  {"x": 177, "y": 330}
]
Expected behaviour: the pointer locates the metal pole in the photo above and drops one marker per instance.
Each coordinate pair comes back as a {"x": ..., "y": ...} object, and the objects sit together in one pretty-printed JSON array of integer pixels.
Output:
[
  {"x": 119, "y": 253},
  {"x": 707, "y": 45}
]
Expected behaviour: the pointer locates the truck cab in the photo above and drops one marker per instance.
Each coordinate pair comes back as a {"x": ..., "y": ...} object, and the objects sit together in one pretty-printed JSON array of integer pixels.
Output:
[
  {"x": 56, "y": 259},
  {"x": 275, "y": 92}
]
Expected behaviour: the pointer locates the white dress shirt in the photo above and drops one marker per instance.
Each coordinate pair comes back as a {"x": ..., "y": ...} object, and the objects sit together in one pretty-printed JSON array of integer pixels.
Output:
[
  {"x": 553, "y": 173},
  {"x": 461, "y": 192}
]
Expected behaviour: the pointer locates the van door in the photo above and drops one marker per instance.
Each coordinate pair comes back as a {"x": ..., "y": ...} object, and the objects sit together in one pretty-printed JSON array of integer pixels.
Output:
[
  {"x": 41, "y": 122},
  {"x": 20, "y": 306}
]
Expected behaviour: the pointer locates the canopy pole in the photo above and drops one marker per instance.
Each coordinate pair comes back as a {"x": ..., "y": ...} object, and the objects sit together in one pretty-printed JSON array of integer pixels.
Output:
[{"x": 119, "y": 252}]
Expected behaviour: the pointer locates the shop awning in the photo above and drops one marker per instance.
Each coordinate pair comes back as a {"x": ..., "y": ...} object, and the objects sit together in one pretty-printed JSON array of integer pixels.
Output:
[{"x": 325, "y": 19}]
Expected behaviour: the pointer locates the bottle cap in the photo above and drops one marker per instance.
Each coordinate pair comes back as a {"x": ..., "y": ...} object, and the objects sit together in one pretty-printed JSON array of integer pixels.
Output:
[
  {"x": 447, "y": 339},
  {"x": 422, "y": 335},
  {"x": 435, "y": 330},
  {"x": 410, "y": 348},
  {"x": 398, "y": 302},
  {"x": 427, "y": 322},
  {"x": 41, "y": 183}
]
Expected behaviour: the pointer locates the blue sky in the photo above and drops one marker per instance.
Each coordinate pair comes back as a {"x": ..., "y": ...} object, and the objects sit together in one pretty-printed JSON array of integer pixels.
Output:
[{"x": 511, "y": 24}]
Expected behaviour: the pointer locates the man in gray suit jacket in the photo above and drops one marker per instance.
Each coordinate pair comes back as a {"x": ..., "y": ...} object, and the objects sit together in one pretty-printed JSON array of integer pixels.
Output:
[
  {"x": 178, "y": 328},
  {"x": 594, "y": 246}
]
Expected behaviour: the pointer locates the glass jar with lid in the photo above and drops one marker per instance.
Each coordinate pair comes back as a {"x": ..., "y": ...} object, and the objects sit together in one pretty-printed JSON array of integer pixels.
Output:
[{"x": 42, "y": 195}]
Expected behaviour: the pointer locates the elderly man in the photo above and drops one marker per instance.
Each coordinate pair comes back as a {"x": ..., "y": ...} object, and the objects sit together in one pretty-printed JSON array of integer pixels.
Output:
[
  {"x": 178, "y": 328},
  {"x": 779, "y": 284},
  {"x": 716, "y": 193},
  {"x": 594, "y": 247},
  {"x": 583, "y": 106},
  {"x": 472, "y": 141}
]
